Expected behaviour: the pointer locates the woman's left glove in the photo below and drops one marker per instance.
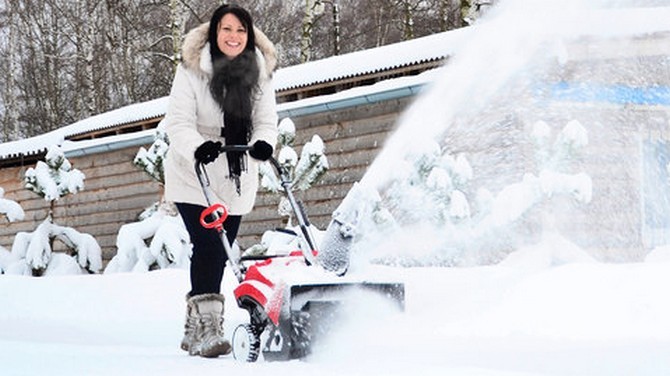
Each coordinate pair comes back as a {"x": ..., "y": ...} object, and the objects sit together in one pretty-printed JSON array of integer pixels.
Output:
[{"x": 261, "y": 150}]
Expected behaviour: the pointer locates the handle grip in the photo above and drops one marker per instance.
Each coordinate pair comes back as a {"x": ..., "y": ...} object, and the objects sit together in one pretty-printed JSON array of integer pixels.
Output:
[{"x": 220, "y": 214}]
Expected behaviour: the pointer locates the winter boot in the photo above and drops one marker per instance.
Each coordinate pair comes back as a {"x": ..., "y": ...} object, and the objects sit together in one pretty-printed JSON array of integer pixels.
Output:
[
  {"x": 189, "y": 325},
  {"x": 208, "y": 340}
]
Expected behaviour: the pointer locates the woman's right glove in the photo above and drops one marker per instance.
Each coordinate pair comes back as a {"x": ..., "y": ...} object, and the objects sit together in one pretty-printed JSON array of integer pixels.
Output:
[
  {"x": 208, "y": 152},
  {"x": 261, "y": 150}
]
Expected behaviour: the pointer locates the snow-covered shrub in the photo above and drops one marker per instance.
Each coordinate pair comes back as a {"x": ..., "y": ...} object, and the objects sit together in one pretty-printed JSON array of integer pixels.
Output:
[
  {"x": 54, "y": 177},
  {"x": 6, "y": 259},
  {"x": 159, "y": 239},
  {"x": 32, "y": 252},
  {"x": 303, "y": 172},
  {"x": 157, "y": 242},
  {"x": 11, "y": 209},
  {"x": 151, "y": 162}
]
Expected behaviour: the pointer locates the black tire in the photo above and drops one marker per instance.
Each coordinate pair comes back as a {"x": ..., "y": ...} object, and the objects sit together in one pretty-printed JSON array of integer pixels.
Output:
[{"x": 246, "y": 343}]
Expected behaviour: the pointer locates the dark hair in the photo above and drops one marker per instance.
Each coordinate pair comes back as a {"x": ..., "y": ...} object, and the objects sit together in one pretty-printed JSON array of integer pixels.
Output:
[{"x": 245, "y": 19}]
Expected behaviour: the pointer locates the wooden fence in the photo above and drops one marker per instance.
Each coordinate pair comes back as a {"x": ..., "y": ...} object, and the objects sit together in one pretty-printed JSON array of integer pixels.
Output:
[{"x": 116, "y": 191}]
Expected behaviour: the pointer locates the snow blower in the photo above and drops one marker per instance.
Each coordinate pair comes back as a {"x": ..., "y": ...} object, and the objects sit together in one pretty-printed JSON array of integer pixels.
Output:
[{"x": 292, "y": 299}]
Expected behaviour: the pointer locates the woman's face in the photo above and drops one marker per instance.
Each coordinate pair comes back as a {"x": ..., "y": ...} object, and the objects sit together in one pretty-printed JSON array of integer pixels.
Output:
[{"x": 231, "y": 36}]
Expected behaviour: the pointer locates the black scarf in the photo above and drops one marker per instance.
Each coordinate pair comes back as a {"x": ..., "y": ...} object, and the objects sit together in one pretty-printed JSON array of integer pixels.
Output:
[{"x": 232, "y": 85}]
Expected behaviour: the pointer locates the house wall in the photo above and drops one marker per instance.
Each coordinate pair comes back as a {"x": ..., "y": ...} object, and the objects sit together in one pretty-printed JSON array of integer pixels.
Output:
[{"x": 116, "y": 191}]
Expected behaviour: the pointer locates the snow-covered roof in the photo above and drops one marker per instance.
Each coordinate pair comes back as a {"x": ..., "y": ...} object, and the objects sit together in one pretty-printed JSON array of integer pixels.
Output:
[
  {"x": 416, "y": 51},
  {"x": 430, "y": 48},
  {"x": 125, "y": 115}
]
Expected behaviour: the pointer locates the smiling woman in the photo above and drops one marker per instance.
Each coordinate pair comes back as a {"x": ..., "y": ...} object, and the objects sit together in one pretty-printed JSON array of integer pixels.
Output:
[
  {"x": 232, "y": 36},
  {"x": 222, "y": 93}
]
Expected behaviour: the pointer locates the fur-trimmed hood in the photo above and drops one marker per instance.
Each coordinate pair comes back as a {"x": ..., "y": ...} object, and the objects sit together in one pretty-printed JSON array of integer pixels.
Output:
[
  {"x": 195, "y": 51},
  {"x": 194, "y": 116}
]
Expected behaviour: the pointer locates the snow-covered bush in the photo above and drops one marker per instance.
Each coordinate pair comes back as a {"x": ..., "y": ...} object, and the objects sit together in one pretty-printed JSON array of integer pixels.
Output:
[
  {"x": 54, "y": 177},
  {"x": 159, "y": 239},
  {"x": 10, "y": 208},
  {"x": 157, "y": 242},
  {"x": 302, "y": 172},
  {"x": 151, "y": 162},
  {"x": 32, "y": 251}
]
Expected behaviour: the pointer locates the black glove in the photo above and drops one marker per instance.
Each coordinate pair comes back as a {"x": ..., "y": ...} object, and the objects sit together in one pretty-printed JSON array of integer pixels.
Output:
[
  {"x": 208, "y": 152},
  {"x": 261, "y": 150}
]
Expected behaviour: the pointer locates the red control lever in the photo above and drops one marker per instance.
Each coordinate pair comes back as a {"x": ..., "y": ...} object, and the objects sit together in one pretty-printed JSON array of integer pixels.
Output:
[{"x": 218, "y": 212}]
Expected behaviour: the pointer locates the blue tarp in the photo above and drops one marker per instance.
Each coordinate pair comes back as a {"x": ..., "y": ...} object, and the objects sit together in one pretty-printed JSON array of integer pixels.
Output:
[{"x": 616, "y": 94}]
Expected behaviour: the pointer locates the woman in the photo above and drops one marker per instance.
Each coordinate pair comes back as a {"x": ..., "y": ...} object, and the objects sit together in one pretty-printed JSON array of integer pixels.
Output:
[{"x": 222, "y": 94}]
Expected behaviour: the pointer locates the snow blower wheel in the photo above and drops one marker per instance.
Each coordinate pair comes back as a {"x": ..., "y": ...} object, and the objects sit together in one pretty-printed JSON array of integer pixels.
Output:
[{"x": 246, "y": 343}]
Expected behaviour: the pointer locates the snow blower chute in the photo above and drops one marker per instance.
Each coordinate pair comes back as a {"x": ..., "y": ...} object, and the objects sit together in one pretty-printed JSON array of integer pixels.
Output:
[{"x": 291, "y": 298}]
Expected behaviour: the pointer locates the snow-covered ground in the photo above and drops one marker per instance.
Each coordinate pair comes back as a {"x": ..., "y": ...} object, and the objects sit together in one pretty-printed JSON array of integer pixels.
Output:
[
  {"x": 520, "y": 317},
  {"x": 547, "y": 309}
]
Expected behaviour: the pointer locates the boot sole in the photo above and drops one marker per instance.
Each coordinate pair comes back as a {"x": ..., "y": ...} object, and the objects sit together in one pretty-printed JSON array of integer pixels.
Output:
[{"x": 221, "y": 349}]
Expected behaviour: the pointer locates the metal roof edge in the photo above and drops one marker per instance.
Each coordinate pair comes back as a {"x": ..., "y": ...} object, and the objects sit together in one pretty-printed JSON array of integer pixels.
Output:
[
  {"x": 84, "y": 148},
  {"x": 339, "y": 104}
]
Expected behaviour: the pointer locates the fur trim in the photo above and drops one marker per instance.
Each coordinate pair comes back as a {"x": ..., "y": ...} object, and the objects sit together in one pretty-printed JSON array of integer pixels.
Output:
[
  {"x": 196, "y": 40},
  {"x": 195, "y": 299}
]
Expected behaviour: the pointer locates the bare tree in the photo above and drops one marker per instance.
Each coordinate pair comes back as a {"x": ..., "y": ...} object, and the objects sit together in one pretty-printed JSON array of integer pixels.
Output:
[
  {"x": 8, "y": 64},
  {"x": 66, "y": 60}
]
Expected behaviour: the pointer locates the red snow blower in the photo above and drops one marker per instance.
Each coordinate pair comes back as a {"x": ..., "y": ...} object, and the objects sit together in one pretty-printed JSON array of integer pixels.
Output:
[{"x": 292, "y": 299}]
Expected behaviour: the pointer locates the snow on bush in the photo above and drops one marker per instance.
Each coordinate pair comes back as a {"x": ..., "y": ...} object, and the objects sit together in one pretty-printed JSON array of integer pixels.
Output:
[
  {"x": 151, "y": 160},
  {"x": 302, "y": 172},
  {"x": 32, "y": 252},
  {"x": 158, "y": 242},
  {"x": 11, "y": 209},
  {"x": 54, "y": 177},
  {"x": 159, "y": 239}
]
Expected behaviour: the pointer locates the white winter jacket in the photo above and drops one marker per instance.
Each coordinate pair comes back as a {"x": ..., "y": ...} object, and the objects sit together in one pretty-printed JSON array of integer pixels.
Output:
[{"x": 193, "y": 116}]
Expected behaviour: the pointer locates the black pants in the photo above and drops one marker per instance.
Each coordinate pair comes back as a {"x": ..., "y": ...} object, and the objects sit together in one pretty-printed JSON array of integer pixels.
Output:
[{"x": 209, "y": 257}]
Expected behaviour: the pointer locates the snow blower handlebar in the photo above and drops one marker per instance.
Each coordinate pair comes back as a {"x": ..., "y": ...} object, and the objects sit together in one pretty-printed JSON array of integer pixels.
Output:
[
  {"x": 299, "y": 211},
  {"x": 219, "y": 213}
]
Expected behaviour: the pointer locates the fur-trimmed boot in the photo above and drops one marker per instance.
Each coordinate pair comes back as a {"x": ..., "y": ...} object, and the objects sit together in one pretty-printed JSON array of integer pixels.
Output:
[
  {"x": 189, "y": 325},
  {"x": 208, "y": 340}
]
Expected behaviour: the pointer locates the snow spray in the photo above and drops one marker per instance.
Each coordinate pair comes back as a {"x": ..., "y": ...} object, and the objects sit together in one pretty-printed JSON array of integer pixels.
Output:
[{"x": 534, "y": 124}]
